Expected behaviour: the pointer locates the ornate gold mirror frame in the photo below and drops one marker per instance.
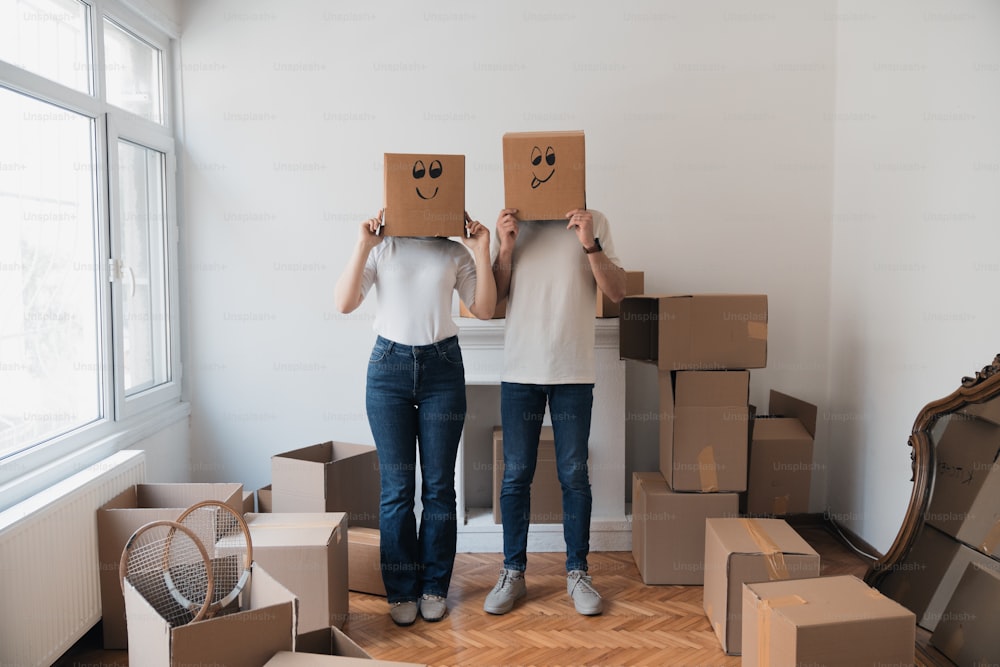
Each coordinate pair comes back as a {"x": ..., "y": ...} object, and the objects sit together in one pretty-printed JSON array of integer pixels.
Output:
[{"x": 983, "y": 387}]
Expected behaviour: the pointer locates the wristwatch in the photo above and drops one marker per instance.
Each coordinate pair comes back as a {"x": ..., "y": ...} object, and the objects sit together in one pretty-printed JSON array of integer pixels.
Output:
[{"x": 594, "y": 248}]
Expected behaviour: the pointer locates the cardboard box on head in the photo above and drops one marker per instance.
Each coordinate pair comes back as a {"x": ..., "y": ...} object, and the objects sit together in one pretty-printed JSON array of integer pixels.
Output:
[
  {"x": 544, "y": 173},
  {"x": 424, "y": 195}
]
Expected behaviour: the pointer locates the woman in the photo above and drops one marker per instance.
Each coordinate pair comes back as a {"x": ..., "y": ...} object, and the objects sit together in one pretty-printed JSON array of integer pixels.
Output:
[{"x": 415, "y": 397}]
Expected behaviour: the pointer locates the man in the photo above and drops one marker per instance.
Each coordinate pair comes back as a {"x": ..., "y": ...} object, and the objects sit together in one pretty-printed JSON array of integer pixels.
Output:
[{"x": 549, "y": 272}]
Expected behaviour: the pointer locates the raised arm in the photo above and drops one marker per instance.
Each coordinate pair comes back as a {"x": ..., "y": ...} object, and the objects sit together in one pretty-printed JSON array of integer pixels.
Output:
[
  {"x": 347, "y": 294},
  {"x": 507, "y": 234},
  {"x": 478, "y": 240},
  {"x": 609, "y": 276}
]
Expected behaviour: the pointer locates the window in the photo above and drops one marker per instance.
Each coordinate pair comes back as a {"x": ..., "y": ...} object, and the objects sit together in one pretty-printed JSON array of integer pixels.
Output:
[{"x": 88, "y": 337}]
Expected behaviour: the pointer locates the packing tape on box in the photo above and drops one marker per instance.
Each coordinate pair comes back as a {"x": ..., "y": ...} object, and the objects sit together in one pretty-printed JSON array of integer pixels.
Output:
[
  {"x": 757, "y": 330},
  {"x": 764, "y": 627},
  {"x": 706, "y": 470},
  {"x": 780, "y": 504},
  {"x": 773, "y": 557},
  {"x": 992, "y": 539}
]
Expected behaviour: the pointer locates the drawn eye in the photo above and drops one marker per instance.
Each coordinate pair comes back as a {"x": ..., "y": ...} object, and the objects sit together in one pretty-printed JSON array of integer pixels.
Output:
[
  {"x": 435, "y": 169},
  {"x": 418, "y": 169},
  {"x": 536, "y": 156},
  {"x": 550, "y": 156}
]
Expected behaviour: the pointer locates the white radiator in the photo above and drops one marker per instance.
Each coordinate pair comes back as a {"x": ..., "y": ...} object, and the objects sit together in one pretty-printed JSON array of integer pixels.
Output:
[{"x": 49, "y": 588}]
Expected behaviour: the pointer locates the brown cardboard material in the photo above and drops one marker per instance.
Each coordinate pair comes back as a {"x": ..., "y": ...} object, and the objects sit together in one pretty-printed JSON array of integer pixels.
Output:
[
  {"x": 265, "y": 624},
  {"x": 364, "y": 561},
  {"x": 695, "y": 331},
  {"x": 966, "y": 499},
  {"x": 635, "y": 283},
  {"x": 967, "y": 633},
  {"x": 289, "y": 659},
  {"x": 926, "y": 580},
  {"x": 424, "y": 195},
  {"x": 544, "y": 174},
  {"x": 330, "y": 641},
  {"x": 781, "y": 457},
  {"x": 546, "y": 492},
  {"x": 836, "y": 621},
  {"x": 307, "y": 553},
  {"x": 264, "y": 503},
  {"x": 668, "y": 529},
  {"x": 704, "y": 429},
  {"x": 745, "y": 551},
  {"x": 123, "y": 515},
  {"x": 328, "y": 477}
]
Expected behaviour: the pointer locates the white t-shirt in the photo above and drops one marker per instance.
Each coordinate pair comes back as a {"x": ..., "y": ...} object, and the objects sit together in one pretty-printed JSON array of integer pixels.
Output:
[
  {"x": 415, "y": 278},
  {"x": 549, "y": 333}
]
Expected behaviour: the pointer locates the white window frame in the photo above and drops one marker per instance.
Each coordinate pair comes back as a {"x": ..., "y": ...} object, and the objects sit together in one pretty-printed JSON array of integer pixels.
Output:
[{"x": 124, "y": 421}]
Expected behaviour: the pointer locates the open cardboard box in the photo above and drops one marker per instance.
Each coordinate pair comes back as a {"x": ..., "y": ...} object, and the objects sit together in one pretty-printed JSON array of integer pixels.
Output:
[
  {"x": 328, "y": 477},
  {"x": 121, "y": 516},
  {"x": 781, "y": 457},
  {"x": 695, "y": 331},
  {"x": 264, "y": 625}
]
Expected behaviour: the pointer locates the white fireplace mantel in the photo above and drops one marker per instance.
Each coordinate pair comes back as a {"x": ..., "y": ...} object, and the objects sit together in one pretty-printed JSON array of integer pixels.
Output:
[{"x": 482, "y": 351}]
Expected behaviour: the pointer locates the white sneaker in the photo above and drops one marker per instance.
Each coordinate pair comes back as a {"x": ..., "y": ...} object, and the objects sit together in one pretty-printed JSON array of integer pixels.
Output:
[
  {"x": 586, "y": 600},
  {"x": 510, "y": 588}
]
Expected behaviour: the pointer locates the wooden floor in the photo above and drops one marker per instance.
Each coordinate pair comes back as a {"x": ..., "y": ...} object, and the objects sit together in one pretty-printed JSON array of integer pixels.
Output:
[{"x": 641, "y": 625}]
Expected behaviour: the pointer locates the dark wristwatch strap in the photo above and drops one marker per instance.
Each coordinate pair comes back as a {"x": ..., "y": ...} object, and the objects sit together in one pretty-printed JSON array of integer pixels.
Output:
[{"x": 594, "y": 248}]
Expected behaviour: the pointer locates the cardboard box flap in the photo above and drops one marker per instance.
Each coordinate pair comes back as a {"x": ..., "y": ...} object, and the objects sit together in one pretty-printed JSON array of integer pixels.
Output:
[
  {"x": 300, "y": 528},
  {"x": 266, "y": 624},
  {"x": 289, "y": 659},
  {"x": 185, "y": 495},
  {"x": 783, "y": 405},
  {"x": 331, "y": 641},
  {"x": 767, "y": 427}
]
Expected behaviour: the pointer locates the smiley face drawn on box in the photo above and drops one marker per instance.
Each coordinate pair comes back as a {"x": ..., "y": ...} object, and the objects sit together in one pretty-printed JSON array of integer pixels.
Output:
[
  {"x": 424, "y": 194},
  {"x": 536, "y": 161},
  {"x": 544, "y": 173}
]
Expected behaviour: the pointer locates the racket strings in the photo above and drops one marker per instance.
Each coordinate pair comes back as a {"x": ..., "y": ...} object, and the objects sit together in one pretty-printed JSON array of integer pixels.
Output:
[
  {"x": 168, "y": 569},
  {"x": 222, "y": 532}
]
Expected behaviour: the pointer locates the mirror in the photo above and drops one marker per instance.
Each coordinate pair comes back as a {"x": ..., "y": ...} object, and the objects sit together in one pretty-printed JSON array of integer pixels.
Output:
[{"x": 944, "y": 564}]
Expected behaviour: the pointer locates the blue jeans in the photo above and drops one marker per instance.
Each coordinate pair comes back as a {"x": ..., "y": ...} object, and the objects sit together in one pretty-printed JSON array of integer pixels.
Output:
[
  {"x": 522, "y": 407},
  {"x": 415, "y": 400}
]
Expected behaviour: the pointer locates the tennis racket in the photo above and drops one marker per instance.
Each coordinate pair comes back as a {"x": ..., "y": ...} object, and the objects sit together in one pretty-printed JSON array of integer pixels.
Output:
[
  {"x": 169, "y": 566},
  {"x": 226, "y": 537}
]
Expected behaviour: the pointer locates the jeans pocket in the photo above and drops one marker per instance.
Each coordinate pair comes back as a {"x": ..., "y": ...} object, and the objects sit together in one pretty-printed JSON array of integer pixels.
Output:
[
  {"x": 452, "y": 354},
  {"x": 379, "y": 353}
]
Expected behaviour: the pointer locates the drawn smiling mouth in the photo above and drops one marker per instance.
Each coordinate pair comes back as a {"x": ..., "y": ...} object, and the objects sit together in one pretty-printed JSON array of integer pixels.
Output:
[
  {"x": 421, "y": 195},
  {"x": 535, "y": 181}
]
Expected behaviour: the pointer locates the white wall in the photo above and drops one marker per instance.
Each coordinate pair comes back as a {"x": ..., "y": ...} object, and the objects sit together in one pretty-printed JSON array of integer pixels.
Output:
[
  {"x": 916, "y": 227},
  {"x": 709, "y": 147}
]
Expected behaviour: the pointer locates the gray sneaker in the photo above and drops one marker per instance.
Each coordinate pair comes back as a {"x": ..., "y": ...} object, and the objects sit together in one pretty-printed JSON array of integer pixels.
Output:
[
  {"x": 403, "y": 613},
  {"x": 586, "y": 600},
  {"x": 433, "y": 607},
  {"x": 510, "y": 588}
]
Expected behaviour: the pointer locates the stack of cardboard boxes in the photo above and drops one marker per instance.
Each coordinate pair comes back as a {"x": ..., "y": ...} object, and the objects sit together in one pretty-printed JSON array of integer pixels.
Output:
[
  {"x": 702, "y": 347},
  {"x": 762, "y": 586}
]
